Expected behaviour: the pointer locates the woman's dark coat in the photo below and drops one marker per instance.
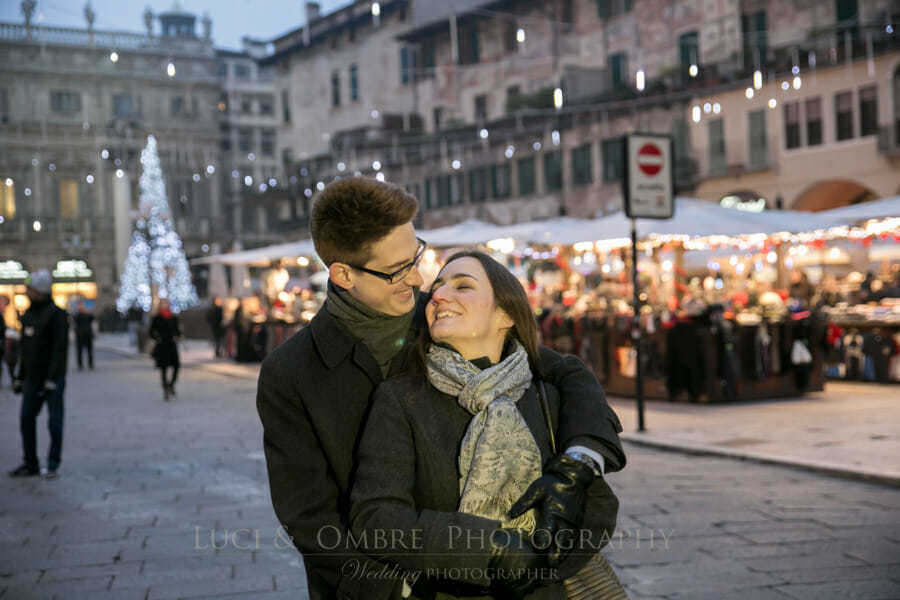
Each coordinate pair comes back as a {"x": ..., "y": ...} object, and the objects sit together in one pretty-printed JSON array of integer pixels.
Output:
[
  {"x": 164, "y": 331},
  {"x": 408, "y": 481}
]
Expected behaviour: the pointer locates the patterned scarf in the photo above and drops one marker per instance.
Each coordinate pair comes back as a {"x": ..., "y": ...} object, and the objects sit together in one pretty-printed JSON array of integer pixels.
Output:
[{"x": 498, "y": 458}]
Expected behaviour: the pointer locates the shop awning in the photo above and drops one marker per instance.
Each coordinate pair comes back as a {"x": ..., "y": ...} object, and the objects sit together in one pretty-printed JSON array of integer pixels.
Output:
[
  {"x": 876, "y": 209},
  {"x": 259, "y": 257}
]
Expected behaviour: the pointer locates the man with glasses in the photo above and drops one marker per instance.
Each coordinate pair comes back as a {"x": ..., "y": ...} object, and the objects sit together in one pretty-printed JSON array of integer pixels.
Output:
[{"x": 315, "y": 389}]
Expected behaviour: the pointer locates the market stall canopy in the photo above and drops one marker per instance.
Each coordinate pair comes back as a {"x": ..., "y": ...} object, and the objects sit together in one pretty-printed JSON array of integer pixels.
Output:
[
  {"x": 260, "y": 257},
  {"x": 876, "y": 209},
  {"x": 469, "y": 232}
]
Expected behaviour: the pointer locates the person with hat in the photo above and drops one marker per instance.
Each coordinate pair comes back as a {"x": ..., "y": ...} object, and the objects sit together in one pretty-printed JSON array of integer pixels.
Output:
[{"x": 42, "y": 373}]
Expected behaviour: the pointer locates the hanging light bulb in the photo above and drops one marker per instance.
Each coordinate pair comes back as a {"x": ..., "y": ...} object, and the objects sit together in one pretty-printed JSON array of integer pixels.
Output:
[
  {"x": 693, "y": 70},
  {"x": 797, "y": 82},
  {"x": 749, "y": 93},
  {"x": 695, "y": 114},
  {"x": 558, "y": 98},
  {"x": 639, "y": 80},
  {"x": 757, "y": 79},
  {"x": 170, "y": 69},
  {"x": 520, "y": 35}
]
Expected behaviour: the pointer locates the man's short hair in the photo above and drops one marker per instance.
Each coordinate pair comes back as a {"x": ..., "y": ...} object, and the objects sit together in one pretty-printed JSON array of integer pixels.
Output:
[{"x": 350, "y": 215}]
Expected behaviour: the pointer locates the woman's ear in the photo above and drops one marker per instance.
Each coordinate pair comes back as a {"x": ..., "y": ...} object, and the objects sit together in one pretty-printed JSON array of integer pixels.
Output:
[
  {"x": 503, "y": 320},
  {"x": 339, "y": 274}
]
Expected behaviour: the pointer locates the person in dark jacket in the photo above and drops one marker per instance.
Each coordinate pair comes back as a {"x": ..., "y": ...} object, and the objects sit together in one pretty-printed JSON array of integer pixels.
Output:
[
  {"x": 164, "y": 329},
  {"x": 315, "y": 390},
  {"x": 455, "y": 455},
  {"x": 41, "y": 376},
  {"x": 84, "y": 335},
  {"x": 214, "y": 317},
  {"x": 4, "y": 302}
]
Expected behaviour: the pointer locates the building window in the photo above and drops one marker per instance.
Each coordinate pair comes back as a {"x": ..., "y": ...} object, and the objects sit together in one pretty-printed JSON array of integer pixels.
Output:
[
  {"x": 618, "y": 69},
  {"x": 405, "y": 65},
  {"x": 582, "y": 171},
  {"x": 567, "y": 14},
  {"x": 513, "y": 97},
  {"x": 443, "y": 190},
  {"x": 868, "y": 110},
  {"x": 478, "y": 189},
  {"x": 553, "y": 171},
  {"x": 510, "y": 28},
  {"x": 354, "y": 84},
  {"x": 689, "y": 50},
  {"x": 611, "y": 8},
  {"x": 758, "y": 142},
  {"x": 525, "y": 167},
  {"x": 843, "y": 115},
  {"x": 427, "y": 183},
  {"x": 245, "y": 139},
  {"x": 176, "y": 106},
  {"x": 225, "y": 137},
  {"x": 813, "y": 121},
  {"x": 4, "y": 107},
  {"x": 426, "y": 60},
  {"x": 123, "y": 106},
  {"x": 267, "y": 105},
  {"x": 501, "y": 183},
  {"x": 64, "y": 101},
  {"x": 222, "y": 69},
  {"x": 481, "y": 110},
  {"x": 438, "y": 114},
  {"x": 267, "y": 142},
  {"x": 717, "y": 157},
  {"x": 792, "y": 125},
  {"x": 335, "y": 88},
  {"x": 68, "y": 198},
  {"x": 468, "y": 44},
  {"x": 7, "y": 199},
  {"x": 285, "y": 106},
  {"x": 242, "y": 71},
  {"x": 753, "y": 32},
  {"x": 613, "y": 160}
]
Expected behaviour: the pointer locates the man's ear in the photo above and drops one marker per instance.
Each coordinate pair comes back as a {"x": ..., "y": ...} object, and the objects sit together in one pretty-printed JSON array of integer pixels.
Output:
[{"x": 339, "y": 273}]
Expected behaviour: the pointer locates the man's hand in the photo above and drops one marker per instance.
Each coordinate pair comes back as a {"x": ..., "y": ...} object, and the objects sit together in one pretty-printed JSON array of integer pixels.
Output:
[
  {"x": 17, "y": 386},
  {"x": 512, "y": 557},
  {"x": 50, "y": 386},
  {"x": 558, "y": 497}
]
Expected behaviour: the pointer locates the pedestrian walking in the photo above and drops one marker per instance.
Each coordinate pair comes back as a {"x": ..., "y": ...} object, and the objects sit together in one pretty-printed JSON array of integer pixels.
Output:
[
  {"x": 4, "y": 302},
  {"x": 214, "y": 317},
  {"x": 165, "y": 331},
  {"x": 315, "y": 389},
  {"x": 41, "y": 376},
  {"x": 84, "y": 335}
]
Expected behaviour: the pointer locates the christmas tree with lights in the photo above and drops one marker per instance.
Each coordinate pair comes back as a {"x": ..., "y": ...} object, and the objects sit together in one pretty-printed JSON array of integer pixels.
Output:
[{"x": 156, "y": 267}]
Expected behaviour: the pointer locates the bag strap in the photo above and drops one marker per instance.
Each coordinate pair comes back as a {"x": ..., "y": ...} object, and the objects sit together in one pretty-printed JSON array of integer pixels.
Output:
[{"x": 545, "y": 408}]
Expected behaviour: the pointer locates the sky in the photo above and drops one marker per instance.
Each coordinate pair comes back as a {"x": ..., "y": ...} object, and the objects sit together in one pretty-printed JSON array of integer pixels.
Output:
[{"x": 232, "y": 19}]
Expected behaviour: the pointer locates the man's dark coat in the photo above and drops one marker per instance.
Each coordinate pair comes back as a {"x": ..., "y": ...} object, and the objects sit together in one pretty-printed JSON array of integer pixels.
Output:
[{"x": 314, "y": 395}]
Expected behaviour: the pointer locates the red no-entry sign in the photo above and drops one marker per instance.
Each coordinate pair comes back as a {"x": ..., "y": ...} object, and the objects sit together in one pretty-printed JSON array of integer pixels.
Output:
[
  {"x": 649, "y": 183},
  {"x": 650, "y": 159}
]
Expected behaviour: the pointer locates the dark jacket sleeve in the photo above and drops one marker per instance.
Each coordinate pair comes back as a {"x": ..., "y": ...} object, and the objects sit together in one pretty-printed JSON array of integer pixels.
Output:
[
  {"x": 304, "y": 494},
  {"x": 585, "y": 418},
  {"x": 59, "y": 329},
  {"x": 383, "y": 503}
]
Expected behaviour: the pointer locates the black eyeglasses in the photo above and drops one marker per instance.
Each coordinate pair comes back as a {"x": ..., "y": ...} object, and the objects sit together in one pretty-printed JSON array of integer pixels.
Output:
[{"x": 401, "y": 273}]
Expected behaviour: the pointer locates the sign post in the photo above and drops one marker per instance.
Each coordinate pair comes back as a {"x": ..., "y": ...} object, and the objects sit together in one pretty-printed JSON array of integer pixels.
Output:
[{"x": 649, "y": 193}]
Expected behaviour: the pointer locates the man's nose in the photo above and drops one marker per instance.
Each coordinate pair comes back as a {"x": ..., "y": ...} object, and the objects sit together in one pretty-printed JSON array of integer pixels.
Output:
[{"x": 414, "y": 278}]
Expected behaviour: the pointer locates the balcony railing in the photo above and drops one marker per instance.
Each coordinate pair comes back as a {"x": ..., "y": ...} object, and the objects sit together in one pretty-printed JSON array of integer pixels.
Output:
[{"x": 120, "y": 40}]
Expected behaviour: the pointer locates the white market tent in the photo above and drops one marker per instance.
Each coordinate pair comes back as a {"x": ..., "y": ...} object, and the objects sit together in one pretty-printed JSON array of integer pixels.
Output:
[
  {"x": 876, "y": 209},
  {"x": 259, "y": 257}
]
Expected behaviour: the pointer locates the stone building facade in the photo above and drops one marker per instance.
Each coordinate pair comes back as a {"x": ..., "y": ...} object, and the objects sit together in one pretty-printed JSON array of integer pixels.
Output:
[{"x": 76, "y": 107}]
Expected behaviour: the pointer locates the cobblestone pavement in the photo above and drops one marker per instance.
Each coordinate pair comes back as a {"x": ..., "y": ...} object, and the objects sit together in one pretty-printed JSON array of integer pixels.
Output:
[{"x": 164, "y": 500}]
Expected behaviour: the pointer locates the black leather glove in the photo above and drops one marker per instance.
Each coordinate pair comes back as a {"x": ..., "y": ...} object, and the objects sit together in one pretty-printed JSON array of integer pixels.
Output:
[
  {"x": 17, "y": 386},
  {"x": 558, "y": 497},
  {"x": 512, "y": 557}
]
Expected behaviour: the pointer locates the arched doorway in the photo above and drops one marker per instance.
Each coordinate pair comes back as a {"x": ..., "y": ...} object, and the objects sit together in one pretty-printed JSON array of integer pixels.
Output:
[{"x": 832, "y": 194}]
